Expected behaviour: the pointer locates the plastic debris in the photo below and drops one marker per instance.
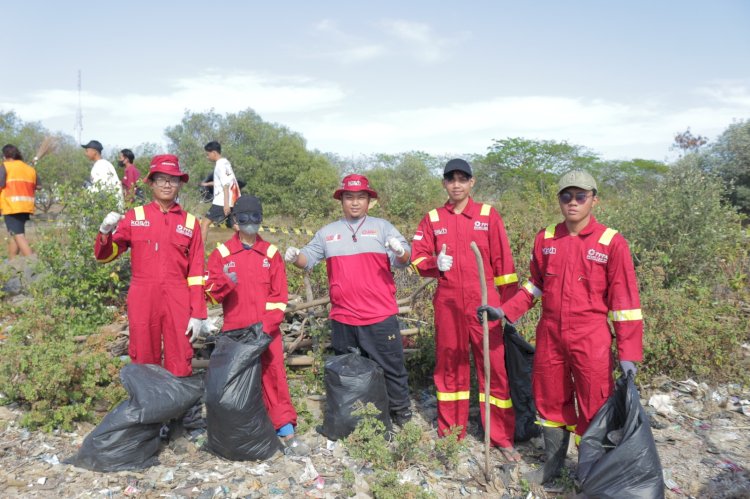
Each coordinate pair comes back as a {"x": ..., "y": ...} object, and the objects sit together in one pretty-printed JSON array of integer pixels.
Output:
[
  {"x": 310, "y": 474},
  {"x": 259, "y": 470},
  {"x": 662, "y": 404},
  {"x": 50, "y": 459}
]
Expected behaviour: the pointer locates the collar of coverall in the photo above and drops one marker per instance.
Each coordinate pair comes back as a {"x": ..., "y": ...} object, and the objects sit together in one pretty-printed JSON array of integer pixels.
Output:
[
  {"x": 562, "y": 229},
  {"x": 469, "y": 211},
  {"x": 174, "y": 208},
  {"x": 234, "y": 245}
]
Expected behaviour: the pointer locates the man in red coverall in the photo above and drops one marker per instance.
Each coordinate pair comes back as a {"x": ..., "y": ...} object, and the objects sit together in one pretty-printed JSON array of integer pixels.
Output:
[
  {"x": 247, "y": 276},
  {"x": 165, "y": 301},
  {"x": 585, "y": 273},
  {"x": 441, "y": 249}
]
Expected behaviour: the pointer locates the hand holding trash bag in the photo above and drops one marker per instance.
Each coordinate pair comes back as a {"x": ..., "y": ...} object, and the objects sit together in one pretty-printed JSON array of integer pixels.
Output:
[
  {"x": 493, "y": 313},
  {"x": 628, "y": 367}
]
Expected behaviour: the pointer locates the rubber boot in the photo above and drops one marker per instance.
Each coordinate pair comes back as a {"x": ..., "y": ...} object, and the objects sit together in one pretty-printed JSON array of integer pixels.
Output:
[{"x": 555, "y": 448}]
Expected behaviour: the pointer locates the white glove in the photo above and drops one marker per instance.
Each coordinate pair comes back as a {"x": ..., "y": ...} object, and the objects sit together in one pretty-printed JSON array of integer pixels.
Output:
[
  {"x": 110, "y": 222},
  {"x": 291, "y": 254},
  {"x": 395, "y": 246},
  {"x": 444, "y": 262},
  {"x": 194, "y": 329}
]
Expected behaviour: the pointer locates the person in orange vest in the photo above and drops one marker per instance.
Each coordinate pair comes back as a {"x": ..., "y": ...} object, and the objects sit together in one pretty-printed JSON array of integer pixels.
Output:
[
  {"x": 442, "y": 250},
  {"x": 166, "y": 304},
  {"x": 247, "y": 276},
  {"x": 18, "y": 181},
  {"x": 584, "y": 272}
]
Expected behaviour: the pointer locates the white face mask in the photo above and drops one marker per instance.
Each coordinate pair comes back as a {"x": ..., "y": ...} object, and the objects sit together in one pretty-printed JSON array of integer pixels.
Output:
[{"x": 250, "y": 229}]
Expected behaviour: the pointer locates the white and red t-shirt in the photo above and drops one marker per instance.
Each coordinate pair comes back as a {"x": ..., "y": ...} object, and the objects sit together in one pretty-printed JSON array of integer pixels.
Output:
[{"x": 360, "y": 282}]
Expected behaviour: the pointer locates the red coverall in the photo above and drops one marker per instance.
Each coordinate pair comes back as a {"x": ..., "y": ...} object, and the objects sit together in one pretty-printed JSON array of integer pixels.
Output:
[
  {"x": 582, "y": 279},
  {"x": 456, "y": 300},
  {"x": 166, "y": 288},
  {"x": 260, "y": 295}
]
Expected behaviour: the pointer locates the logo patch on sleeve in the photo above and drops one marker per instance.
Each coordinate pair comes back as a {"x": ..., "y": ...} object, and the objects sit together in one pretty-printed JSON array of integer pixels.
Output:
[{"x": 418, "y": 236}]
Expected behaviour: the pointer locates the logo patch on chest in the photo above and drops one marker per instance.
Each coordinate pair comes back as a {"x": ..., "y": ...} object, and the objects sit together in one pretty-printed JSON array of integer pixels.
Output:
[
  {"x": 594, "y": 255},
  {"x": 184, "y": 231},
  {"x": 266, "y": 263},
  {"x": 333, "y": 238},
  {"x": 140, "y": 223},
  {"x": 481, "y": 225},
  {"x": 369, "y": 233},
  {"x": 439, "y": 232},
  {"x": 549, "y": 251}
]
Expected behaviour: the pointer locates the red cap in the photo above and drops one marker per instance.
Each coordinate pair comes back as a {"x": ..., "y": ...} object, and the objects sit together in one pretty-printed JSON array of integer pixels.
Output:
[
  {"x": 169, "y": 164},
  {"x": 355, "y": 183}
]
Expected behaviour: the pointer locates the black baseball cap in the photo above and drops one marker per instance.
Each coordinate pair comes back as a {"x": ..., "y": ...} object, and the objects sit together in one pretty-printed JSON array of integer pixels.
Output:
[
  {"x": 248, "y": 209},
  {"x": 93, "y": 144},
  {"x": 457, "y": 165}
]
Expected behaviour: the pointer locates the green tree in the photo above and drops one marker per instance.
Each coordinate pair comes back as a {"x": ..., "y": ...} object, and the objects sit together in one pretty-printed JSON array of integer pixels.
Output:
[
  {"x": 512, "y": 163},
  {"x": 272, "y": 160},
  {"x": 729, "y": 158}
]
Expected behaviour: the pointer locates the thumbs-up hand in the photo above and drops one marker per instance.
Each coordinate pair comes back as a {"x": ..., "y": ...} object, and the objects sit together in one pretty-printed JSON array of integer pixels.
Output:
[{"x": 444, "y": 262}]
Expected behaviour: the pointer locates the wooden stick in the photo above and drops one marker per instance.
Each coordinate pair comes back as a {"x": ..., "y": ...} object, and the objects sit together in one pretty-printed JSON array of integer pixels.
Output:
[{"x": 486, "y": 347}]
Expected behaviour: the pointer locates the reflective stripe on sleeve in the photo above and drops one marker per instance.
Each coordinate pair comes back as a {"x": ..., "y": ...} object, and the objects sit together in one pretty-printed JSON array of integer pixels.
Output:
[
  {"x": 196, "y": 280},
  {"x": 529, "y": 286},
  {"x": 549, "y": 231},
  {"x": 223, "y": 250},
  {"x": 485, "y": 211},
  {"x": 140, "y": 214},
  {"x": 625, "y": 315},
  {"x": 502, "y": 280},
  {"x": 190, "y": 221},
  {"x": 434, "y": 217},
  {"x": 501, "y": 403},
  {"x": 275, "y": 306},
  {"x": 452, "y": 396},
  {"x": 271, "y": 251},
  {"x": 607, "y": 236},
  {"x": 115, "y": 252}
]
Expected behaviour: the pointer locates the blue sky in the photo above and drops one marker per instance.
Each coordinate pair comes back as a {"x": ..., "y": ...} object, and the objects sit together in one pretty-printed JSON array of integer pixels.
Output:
[{"x": 355, "y": 78}]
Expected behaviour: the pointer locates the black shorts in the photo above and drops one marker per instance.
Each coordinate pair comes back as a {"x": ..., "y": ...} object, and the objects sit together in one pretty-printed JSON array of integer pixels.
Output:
[
  {"x": 16, "y": 223},
  {"x": 216, "y": 215}
]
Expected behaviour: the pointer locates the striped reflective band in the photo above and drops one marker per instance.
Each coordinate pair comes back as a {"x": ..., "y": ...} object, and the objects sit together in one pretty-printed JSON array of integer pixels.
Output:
[
  {"x": 501, "y": 403},
  {"x": 452, "y": 396},
  {"x": 115, "y": 252},
  {"x": 607, "y": 237},
  {"x": 434, "y": 217},
  {"x": 418, "y": 261},
  {"x": 502, "y": 280},
  {"x": 275, "y": 306},
  {"x": 485, "y": 211},
  {"x": 555, "y": 424},
  {"x": 196, "y": 280},
  {"x": 22, "y": 198},
  {"x": 190, "y": 221},
  {"x": 549, "y": 231},
  {"x": 578, "y": 440},
  {"x": 271, "y": 251},
  {"x": 625, "y": 315},
  {"x": 223, "y": 250},
  {"x": 214, "y": 301},
  {"x": 140, "y": 214},
  {"x": 533, "y": 290}
]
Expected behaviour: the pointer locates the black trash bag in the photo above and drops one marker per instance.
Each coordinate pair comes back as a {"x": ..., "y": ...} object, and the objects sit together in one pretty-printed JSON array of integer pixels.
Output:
[
  {"x": 128, "y": 437},
  {"x": 350, "y": 378},
  {"x": 617, "y": 456},
  {"x": 519, "y": 360},
  {"x": 238, "y": 425}
]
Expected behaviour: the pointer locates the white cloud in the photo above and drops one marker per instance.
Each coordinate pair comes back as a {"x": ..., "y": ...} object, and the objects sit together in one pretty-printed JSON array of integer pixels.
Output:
[{"x": 419, "y": 38}]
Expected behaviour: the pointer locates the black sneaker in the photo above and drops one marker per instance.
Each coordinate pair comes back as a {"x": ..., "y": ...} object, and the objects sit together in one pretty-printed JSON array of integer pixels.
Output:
[{"x": 401, "y": 417}]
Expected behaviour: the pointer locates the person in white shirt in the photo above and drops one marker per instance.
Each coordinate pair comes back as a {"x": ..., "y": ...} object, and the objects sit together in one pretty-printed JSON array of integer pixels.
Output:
[
  {"x": 103, "y": 174},
  {"x": 226, "y": 189}
]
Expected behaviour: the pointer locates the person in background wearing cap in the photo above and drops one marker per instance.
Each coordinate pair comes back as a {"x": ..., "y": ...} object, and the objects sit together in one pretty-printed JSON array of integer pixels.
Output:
[
  {"x": 442, "y": 250},
  {"x": 103, "y": 174},
  {"x": 131, "y": 175},
  {"x": 225, "y": 187},
  {"x": 166, "y": 303},
  {"x": 584, "y": 272},
  {"x": 359, "y": 251},
  {"x": 247, "y": 276}
]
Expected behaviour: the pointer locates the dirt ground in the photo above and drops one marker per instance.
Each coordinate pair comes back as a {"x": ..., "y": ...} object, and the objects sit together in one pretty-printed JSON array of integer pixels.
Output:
[{"x": 702, "y": 439}]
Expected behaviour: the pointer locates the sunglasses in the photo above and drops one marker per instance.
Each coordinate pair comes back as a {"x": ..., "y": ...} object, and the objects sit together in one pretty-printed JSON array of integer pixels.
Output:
[
  {"x": 566, "y": 197},
  {"x": 247, "y": 218}
]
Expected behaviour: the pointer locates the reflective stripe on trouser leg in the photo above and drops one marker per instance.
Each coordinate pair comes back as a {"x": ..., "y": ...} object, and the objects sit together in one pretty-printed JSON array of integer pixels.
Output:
[
  {"x": 276, "y": 396},
  {"x": 502, "y": 418},
  {"x": 452, "y": 370}
]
